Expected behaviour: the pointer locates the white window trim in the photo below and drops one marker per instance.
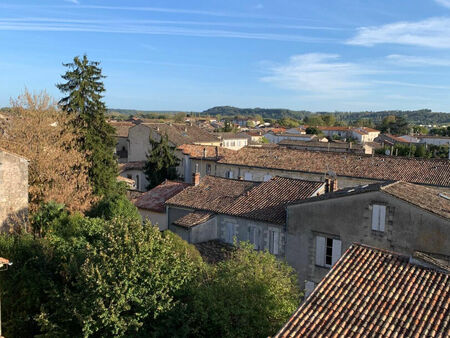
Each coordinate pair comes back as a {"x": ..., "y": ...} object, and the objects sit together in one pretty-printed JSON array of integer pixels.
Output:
[
  {"x": 321, "y": 247},
  {"x": 378, "y": 217}
]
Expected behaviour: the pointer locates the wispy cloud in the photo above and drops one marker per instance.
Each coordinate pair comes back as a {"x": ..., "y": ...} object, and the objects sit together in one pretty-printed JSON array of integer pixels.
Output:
[
  {"x": 146, "y": 29},
  {"x": 319, "y": 74},
  {"x": 76, "y": 2},
  {"x": 409, "y": 60},
  {"x": 411, "y": 84},
  {"x": 433, "y": 32},
  {"x": 445, "y": 3}
]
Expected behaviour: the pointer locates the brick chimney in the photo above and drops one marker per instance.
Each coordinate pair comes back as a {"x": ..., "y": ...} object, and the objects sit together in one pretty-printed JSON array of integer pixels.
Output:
[{"x": 196, "y": 176}]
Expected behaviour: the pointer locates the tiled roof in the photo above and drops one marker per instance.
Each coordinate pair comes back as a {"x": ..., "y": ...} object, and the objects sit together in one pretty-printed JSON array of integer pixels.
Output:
[
  {"x": 137, "y": 165},
  {"x": 155, "y": 198},
  {"x": 266, "y": 202},
  {"x": 211, "y": 194},
  {"x": 426, "y": 198},
  {"x": 194, "y": 218},
  {"x": 230, "y": 136},
  {"x": 432, "y": 200},
  {"x": 180, "y": 133},
  {"x": 333, "y": 128},
  {"x": 415, "y": 170},
  {"x": 375, "y": 293},
  {"x": 318, "y": 144},
  {"x": 121, "y": 127},
  {"x": 208, "y": 152},
  {"x": 4, "y": 261}
]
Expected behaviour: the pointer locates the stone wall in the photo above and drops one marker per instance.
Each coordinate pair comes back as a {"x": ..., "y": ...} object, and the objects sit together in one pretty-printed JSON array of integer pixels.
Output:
[{"x": 13, "y": 190}]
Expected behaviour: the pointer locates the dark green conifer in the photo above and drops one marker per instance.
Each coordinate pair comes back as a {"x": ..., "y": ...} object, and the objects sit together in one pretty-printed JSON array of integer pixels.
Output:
[{"x": 84, "y": 88}]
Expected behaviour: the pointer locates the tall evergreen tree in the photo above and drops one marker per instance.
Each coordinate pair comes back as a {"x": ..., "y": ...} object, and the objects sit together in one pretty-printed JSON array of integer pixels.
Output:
[
  {"x": 84, "y": 88},
  {"x": 161, "y": 162}
]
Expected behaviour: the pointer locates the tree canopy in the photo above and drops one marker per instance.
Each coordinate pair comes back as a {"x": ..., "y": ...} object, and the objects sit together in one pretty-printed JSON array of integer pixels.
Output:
[
  {"x": 83, "y": 103},
  {"x": 161, "y": 162}
]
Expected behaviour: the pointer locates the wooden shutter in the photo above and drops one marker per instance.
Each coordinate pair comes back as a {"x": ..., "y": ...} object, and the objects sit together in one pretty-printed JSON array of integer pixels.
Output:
[
  {"x": 375, "y": 217},
  {"x": 276, "y": 239},
  {"x": 320, "y": 250},
  {"x": 336, "y": 253},
  {"x": 382, "y": 217}
]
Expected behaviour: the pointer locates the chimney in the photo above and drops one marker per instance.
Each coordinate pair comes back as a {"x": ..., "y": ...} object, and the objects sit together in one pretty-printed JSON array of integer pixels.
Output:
[
  {"x": 196, "y": 176},
  {"x": 331, "y": 184}
]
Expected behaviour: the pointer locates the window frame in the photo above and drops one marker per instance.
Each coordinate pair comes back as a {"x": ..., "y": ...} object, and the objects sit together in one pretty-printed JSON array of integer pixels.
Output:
[
  {"x": 378, "y": 219},
  {"x": 322, "y": 244}
]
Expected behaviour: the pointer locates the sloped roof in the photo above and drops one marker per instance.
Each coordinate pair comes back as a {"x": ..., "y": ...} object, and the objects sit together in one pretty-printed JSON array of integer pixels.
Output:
[
  {"x": 205, "y": 152},
  {"x": 375, "y": 293},
  {"x": 266, "y": 202},
  {"x": 194, "y": 218},
  {"x": 121, "y": 127},
  {"x": 432, "y": 200},
  {"x": 415, "y": 170},
  {"x": 156, "y": 198},
  {"x": 211, "y": 194},
  {"x": 318, "y": 144},
  {"x": 136, "y": 165},
  {"x": 180, "y": 133}
]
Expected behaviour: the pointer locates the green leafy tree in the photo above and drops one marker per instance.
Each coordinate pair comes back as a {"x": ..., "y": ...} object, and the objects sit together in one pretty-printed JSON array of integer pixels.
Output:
[
  {"x": 250, "y": 295},
  {"x": 161, "y": 162},
  {"x": 396, "y": 125},
  {"x": 314, "y": 120},
  {"x": 329, "y": 119},
  {"x": 288, "y": 122},
  {"x": 179, "y": 117},
  {"x": 84, "y": 88},
  {"x": 313, "y": 130}
]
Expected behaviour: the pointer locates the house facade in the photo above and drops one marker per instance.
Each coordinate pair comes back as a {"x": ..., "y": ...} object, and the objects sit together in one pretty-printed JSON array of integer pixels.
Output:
[
  {"x": 13, "y": 190},
  {"x": 397, "y": 216}
]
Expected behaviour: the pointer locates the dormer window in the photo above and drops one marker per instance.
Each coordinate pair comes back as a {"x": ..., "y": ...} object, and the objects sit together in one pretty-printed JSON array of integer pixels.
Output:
[{"x": 378, "y": 217}]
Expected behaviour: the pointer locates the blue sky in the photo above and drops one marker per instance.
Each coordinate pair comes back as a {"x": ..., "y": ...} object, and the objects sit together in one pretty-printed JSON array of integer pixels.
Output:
[{"x": 316, "y": 55}]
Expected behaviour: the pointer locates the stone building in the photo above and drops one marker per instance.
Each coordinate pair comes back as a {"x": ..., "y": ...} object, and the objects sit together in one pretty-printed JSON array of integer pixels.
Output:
[
  {"x": 13, "y": 190},
  {"x": 261, "y": 164},
  {"x": 399, "y": 216}
]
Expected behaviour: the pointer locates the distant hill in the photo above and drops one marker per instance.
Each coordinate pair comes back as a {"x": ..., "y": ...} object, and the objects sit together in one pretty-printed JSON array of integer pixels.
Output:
[
  {"x": 422, "y": 116},
  {"x": 141, "y": 112}
]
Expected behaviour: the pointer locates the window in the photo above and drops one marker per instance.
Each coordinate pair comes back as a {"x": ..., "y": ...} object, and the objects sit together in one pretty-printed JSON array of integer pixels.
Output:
[
  {"x": 378, "y": 217},
  {"x": 229, "y": 174},
  {"x": 137, "y": 182},
  {"x": 328, "y": 251},
  {"x": 253, "y": 236},
  {"x": 248, "y": 176},
  {"x": 208, "y": 169},
  {"x": 229, "y": 233},
  {"x": 274, "y": 238},
  {"x": 129, "y": 176},
  {"x": 267, "y": 178}
]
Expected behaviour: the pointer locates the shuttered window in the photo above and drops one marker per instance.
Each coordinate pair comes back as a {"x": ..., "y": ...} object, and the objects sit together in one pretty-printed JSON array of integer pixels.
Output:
[
  {"x": 328, "y": 251},
  {"x": 274, "y": 242},
  {"x": 378, "y": 217}
]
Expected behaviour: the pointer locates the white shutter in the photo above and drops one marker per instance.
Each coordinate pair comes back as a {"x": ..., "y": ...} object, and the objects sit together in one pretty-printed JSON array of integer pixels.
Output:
[
  {"x": 230, "y": 175},
  {"x": 320, "y": 250},
  {"x": 276, "y": 239},
  {"x": 382, "y": 217},
  {"x": 336, "y": 253},
  {"x": 375, "y": 217}
]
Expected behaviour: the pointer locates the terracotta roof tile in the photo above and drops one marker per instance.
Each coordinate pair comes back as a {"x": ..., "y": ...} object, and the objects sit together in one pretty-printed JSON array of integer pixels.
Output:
[
  {"x": 415, "y": 170},
  {"x": 194, "y": 218},
  {"x": 180, "y": 133},
  {"x": 4, "y": 261},
  {"x": 137, "y": 165},
  {"x": 374, "y": 293},
  {"x": 121, "y": 128},
  {"x": 156, "y": 198},
  {"x": 200, "y": 151},
  {"x": 264, "y": 201}
]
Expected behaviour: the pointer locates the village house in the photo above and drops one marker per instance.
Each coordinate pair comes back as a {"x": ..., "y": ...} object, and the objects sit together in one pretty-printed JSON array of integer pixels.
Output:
[
  {"x": 434, "y": 140},
  {"x": 226, "y": 209},
  {"x": 375, "y": 293},
  {"x": 122, "y": 145},
  {"x": 397, "y": 216},
  {"x": 139, "y": 146},
  {"x": 234, "y": 141},
  {"x": 261, "y": 164},
  {"x": 151, "y": 204},
  {"x": 13, "y": 190}
]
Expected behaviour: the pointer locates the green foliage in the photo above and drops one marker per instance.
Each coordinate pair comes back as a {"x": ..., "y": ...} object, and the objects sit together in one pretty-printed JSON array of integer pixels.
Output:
[
  {"x": 250, "y": 295},
  {"x": 264, "y": 140},
  {"x": 420, "y": 130},
  {"x": 396, "y": 125},
  {"x": 228, "y": 127},
  {"x": 440, "y": 131},
  {"x": 84, "y": 88},
  {"x": 179, "y": 117},
  {"x": 161, "y": 162},
  {"x": 47, "y": 217},
  {"x": 115, "y": 206},
  {"x": 417, "y": 150},
  {"x": 314, "y": 120},
  {"x": 288, "y": 122},
  {"x": 313, "y": 130},
  {"x": 329, "y": 119}
]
